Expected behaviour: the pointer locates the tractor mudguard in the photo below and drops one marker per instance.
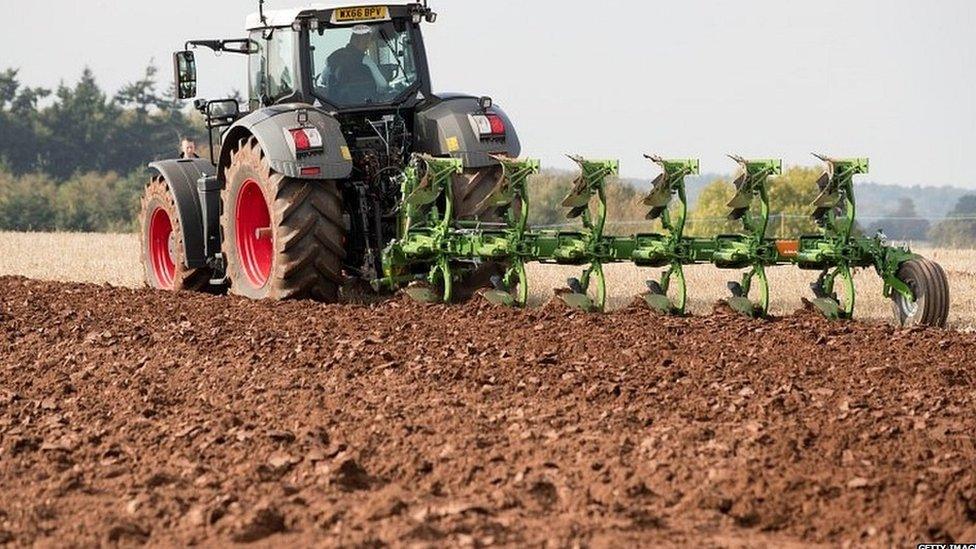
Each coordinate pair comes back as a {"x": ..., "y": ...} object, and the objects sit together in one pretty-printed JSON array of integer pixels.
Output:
[
  {"x": 271, "y": 125},
  {"x": 181, "y": 176},
  {"x": 446, "y": 128}
]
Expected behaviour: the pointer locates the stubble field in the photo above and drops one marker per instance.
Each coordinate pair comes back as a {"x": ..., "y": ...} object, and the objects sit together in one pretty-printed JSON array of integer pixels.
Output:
[{"x": 114, "y": 259}]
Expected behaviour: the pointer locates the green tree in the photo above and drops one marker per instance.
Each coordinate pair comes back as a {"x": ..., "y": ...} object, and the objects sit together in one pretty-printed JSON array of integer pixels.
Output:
[
  {"x": 958, "y": 230},
  {"x": 78, "y": 129},
  {"x": 8, "y": 87},
  {"x": 790, "y": 196},
  {"x": 19, "y": 141},
  {"x": 97, "y": 202},
  {"x": 82, "y": 129},
  {"x": 27, "y": 202},
  {"x": 140, "y": 95}
]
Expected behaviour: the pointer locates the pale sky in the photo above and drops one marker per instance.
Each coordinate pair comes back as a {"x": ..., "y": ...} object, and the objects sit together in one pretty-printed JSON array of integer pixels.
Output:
[{"x": 894, "y": 80}]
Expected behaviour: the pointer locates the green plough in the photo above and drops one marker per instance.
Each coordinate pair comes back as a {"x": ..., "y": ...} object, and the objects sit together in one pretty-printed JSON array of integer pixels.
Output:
[{"x": 433, "y": 250}]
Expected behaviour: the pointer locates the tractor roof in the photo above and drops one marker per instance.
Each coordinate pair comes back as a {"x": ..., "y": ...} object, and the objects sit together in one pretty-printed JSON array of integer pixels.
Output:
[{"x": 285, "y": 17}]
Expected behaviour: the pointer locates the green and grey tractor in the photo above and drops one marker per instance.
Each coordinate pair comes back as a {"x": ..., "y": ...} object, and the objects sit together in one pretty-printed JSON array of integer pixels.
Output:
[
  {"x": 302, "y": 192},
  {"x": 345, "y": 167}
]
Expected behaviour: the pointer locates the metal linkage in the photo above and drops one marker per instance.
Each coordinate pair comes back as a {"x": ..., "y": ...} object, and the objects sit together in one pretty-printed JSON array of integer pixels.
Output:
[
  {"x": 834, "y": 211},
  {"x": 511, "y": 194},
  {"x": 433, "y": 249},
  {"x": 836, "y": 252},
  {"x": 671, "y": 249},
  {"x": 749, "y": 249},
  {"x": 425, "y": 227},
  {"x": 591, "y": 245}
]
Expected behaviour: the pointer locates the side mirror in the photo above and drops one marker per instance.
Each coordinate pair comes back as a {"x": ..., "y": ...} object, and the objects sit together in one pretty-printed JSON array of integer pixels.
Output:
[
  {"x": 223, "y": 112},
  {"x": 185, "y": 74}
]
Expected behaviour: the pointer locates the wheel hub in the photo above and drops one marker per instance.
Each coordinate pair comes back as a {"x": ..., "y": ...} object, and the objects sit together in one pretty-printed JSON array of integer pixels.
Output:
[
  {"x": 161, "y": 253},
  {"x": 255, "y": 245},
  {"x": 908, "y": 306}
]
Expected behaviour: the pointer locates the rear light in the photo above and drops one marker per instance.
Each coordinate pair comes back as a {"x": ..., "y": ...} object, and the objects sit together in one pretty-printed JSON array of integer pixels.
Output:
[
  {"x": 488, "y": 125},
  {"x": 311, "y": 170},
  {"x": 497, "y": 124},
  {"x": 301, "y": 140},
  {"x": 305, "y": 139}
]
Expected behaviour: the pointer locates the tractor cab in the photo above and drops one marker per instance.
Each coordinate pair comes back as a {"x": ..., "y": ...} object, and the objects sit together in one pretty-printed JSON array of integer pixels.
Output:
[{"x": 341, "y": 58}]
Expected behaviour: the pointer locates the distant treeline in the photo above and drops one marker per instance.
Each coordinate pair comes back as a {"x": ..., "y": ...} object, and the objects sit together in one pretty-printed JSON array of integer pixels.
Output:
[
  {"x": 89, "y": 202},
  {"x": 74, "y": 159},
  {"x": 790, "y": 196},
  {"x": 79, "y": 128}
]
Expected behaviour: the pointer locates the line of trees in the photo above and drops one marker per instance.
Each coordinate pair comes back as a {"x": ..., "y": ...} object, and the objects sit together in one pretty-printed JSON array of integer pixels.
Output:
[
  {"x": 92, "y": 201},
  {"x": 79, "y": 128},
  {"x": 74, "y": 159},
  {"x": 792, "y": 193},
  {"x": 958, "y": 230}
]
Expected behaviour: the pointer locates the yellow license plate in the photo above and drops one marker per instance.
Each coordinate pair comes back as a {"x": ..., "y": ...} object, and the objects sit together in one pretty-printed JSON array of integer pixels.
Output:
[{"x": 364, "y": 13}]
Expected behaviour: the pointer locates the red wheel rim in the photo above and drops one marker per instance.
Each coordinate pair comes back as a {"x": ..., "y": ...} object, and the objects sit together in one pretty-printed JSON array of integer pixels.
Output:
[
  {"x": 253, "y": 225},
  {"x": 160, "y": 232}
]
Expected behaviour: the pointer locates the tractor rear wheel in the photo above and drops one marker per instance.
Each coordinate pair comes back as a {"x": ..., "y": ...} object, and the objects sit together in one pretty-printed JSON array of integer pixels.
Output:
[
  {"x": 470, "y": 188},
  {"x": 931, "y": 288},
  {"x": 163, "y": 250},
  {"x": 283, "y": 238}
]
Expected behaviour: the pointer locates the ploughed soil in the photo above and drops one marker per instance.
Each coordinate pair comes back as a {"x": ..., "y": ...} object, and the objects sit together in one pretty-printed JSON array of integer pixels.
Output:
[{"x": 131, "y": 416}]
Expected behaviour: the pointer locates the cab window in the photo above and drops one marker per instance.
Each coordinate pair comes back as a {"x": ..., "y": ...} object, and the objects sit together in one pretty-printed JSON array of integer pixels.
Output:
[
  {"x": 271, "y": 73},
  {"x": 363, "y": 64}
]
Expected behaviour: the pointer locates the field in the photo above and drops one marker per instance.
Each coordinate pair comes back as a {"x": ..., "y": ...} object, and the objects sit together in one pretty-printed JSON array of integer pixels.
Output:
[
  {"x": 130, "y": 416},
  {"x": 114, "y": 259}
]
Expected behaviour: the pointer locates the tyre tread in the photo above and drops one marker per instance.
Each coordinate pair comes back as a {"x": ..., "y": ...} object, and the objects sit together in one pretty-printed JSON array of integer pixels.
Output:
[
  {"x": 930, "y": 281},
  {"x": 308, "y": 229},
  {"x": 187, "y": 279}
]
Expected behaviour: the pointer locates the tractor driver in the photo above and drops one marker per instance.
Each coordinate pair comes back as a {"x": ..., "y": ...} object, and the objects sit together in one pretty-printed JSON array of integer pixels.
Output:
[{"x": 351, "y": 75}]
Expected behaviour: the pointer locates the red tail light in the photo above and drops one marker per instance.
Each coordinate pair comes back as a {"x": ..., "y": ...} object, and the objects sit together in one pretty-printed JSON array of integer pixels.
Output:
[
  {"x": 488, "y": 125},
  {"x": 301, "y": 140},
  {"x": 497, "y": 124},
  {"x": 305, "y": 139}
]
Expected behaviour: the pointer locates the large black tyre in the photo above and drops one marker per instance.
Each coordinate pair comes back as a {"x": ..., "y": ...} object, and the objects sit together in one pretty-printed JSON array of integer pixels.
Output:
[
  {"x": 163, "y": 252},
  {"x": 931, "y": 288},
  {"x": 283, "y": 238},
  {"x": 469, "y": 189}
]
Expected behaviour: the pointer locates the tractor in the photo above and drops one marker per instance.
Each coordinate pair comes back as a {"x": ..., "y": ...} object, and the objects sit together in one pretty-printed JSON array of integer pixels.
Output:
[
  {"x": 346, "y": 169},
  {"x": 302, "y": 189}
]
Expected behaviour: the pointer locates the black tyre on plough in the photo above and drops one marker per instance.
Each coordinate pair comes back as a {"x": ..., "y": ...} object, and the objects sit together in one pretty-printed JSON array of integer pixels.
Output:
[{"x": 928, "y": 282}]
